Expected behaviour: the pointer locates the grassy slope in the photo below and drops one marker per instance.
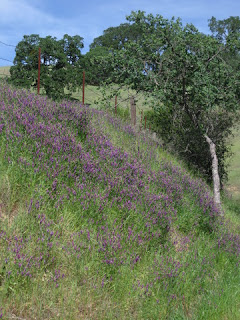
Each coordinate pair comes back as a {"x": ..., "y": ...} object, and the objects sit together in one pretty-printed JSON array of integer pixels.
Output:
[
  {"x": 4, "y": 71},
  {"x": 234, "y": 169},
  {"x": 68, "y": 261},
  {"x": 93, "y": 96}
]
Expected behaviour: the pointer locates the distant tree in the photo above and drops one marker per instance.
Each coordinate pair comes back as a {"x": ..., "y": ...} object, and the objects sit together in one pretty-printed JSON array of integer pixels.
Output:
[
  {"x": 113, "y": 38},
  {"x": 93, "y": 62},
  {"x": 72, "y": 50},
  {"x": 228, "y": 30},
  {"x": 59, "y": 61},
  {"x": 116, "y": 37},
  {"x": 24, "y": 71},
  {"x": 196, "y": 91},
  {"x": 223, "y": 29}
]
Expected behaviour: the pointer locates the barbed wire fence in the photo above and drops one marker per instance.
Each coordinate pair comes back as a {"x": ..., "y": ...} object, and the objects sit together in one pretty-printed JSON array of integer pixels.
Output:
[
  {"x": 128, "y": 104},
  {"x": 121, "y": 101},
  {"x": 8, "y": 45}
]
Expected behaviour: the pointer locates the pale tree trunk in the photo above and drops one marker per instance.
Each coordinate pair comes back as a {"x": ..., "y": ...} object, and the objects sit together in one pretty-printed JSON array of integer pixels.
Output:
[{"x": 215, "y": 174}]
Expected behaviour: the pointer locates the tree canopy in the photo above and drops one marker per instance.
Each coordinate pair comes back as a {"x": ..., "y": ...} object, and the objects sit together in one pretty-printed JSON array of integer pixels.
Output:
[
  {"x": 93, "y": 62},
  {"x": 195, "y": 88},
  {"x": 59, "y": 61},
  {"x": 228, "y": 30},
  {"x": 193, "y": 78},
  {"x": 114, "y": 38},
  {"x": 223, "y": 29}
]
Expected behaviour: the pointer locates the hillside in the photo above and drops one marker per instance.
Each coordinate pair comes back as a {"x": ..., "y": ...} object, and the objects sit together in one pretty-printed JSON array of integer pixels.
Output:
[
  {"x": 99, "y": 222},
  {"x": 93, "y": 96},
  {"x": 4, "y": 71},
  {"x": 234, "y": 167}
]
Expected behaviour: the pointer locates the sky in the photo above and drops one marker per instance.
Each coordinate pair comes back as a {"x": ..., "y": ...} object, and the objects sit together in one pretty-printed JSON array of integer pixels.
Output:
[{"x": 90, "y": 18}]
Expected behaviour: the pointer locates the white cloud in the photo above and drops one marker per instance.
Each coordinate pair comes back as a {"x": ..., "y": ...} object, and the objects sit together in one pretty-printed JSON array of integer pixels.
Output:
[
  {"x": 22, "y": 14},
  {"x": 19, "y": 18},
  {"x": 90, "y": 18}
]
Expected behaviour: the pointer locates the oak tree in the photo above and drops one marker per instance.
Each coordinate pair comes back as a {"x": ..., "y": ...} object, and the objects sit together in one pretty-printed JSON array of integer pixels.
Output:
[
  {"x": 59, "y": 62},
  {"x": 196, "y": 91}
]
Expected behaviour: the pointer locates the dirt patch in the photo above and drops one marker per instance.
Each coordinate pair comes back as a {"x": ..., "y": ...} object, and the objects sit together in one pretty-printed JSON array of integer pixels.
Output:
[
  {"x": 180, "y": 242},
  {"x": 8, "y": 215},
  {"x": 233, "y": 191}
]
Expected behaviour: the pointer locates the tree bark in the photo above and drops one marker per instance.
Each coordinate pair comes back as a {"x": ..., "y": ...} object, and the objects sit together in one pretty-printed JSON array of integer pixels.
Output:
[{"x": 215, "y": 174}]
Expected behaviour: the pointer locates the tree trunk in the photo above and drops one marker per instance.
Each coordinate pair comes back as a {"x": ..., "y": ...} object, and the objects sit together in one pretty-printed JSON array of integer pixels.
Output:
[{"x": 215, "y": 174}]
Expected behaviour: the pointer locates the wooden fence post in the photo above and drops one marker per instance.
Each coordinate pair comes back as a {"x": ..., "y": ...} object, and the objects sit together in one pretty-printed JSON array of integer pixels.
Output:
[
  {"x": 133, "y": 111},
  {"x": 141, "y": 120},
  {"x": 83, "y": 88},
  {"x": 39, "y": 66}
]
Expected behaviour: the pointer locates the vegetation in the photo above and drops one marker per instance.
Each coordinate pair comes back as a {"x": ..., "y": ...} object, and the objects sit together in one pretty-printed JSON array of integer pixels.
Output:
[
  {"x": 4, "y": 72},
  {"x": 96, "y": 71},
  {"x": 97, "y": 222},
  {"x": 225, "y": 30},
  {"x": 196, "y": 91},
  {"x": 115, "y": 38},
  {"x": 97, "y": 219},
  {"x": 233, "y": 185},
  {"x": 59, "y": 61}
]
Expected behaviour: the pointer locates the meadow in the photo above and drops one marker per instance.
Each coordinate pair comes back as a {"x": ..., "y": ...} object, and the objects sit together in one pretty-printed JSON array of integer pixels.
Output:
[
  {"x": 4, "y": 71},
  {"x": 234, "y": 167},
  {"x": 98, "y": 221},
  {"x": 97, "y": 98}
]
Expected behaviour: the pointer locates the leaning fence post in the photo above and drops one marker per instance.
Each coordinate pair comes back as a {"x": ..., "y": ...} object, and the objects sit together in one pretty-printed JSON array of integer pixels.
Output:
[
  {"x": 141, "y": 120},
  {"x": 133, "y": 111},
  {"x": 115, "y": 105}
]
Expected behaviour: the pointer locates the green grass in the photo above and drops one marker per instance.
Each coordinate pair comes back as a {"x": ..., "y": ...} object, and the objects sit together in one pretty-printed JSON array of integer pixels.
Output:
[
  {"x": 234, "y": 168},
  {"x": 205, "y": 285},
  {"x": 95, "y": 98},
  {"x": 76, "y": 297}
]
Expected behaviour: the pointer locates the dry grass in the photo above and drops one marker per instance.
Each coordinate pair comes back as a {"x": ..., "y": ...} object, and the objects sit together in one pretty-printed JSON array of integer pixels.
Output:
[{"x": 4, "y": 71}]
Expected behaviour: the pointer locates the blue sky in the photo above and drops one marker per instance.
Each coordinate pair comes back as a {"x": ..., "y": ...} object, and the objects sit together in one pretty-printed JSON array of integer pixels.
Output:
[{"x": 90, "y": 17}]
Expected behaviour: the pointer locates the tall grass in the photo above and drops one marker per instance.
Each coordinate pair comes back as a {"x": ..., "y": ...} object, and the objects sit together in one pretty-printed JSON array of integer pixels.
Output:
[{"x": 98, "y": 222}]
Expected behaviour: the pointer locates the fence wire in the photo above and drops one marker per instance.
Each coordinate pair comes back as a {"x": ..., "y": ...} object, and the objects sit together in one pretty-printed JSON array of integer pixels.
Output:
[
  {"x": 8, "y": 45},
  {"x": 123, "y": 102}
]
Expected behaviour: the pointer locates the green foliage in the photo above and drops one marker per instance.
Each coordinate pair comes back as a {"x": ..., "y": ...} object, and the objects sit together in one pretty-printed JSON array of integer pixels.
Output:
[
  {"x": 123, "y": 113},
  {"x": 102, "y": 51},
  {"x": 225, "y": 31},
  {"x": 115, "y": 38},
  {"x": 196, "y": 91},
  {"x": 59, "y": 60},
  {"x": 93, "y": 63}
]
